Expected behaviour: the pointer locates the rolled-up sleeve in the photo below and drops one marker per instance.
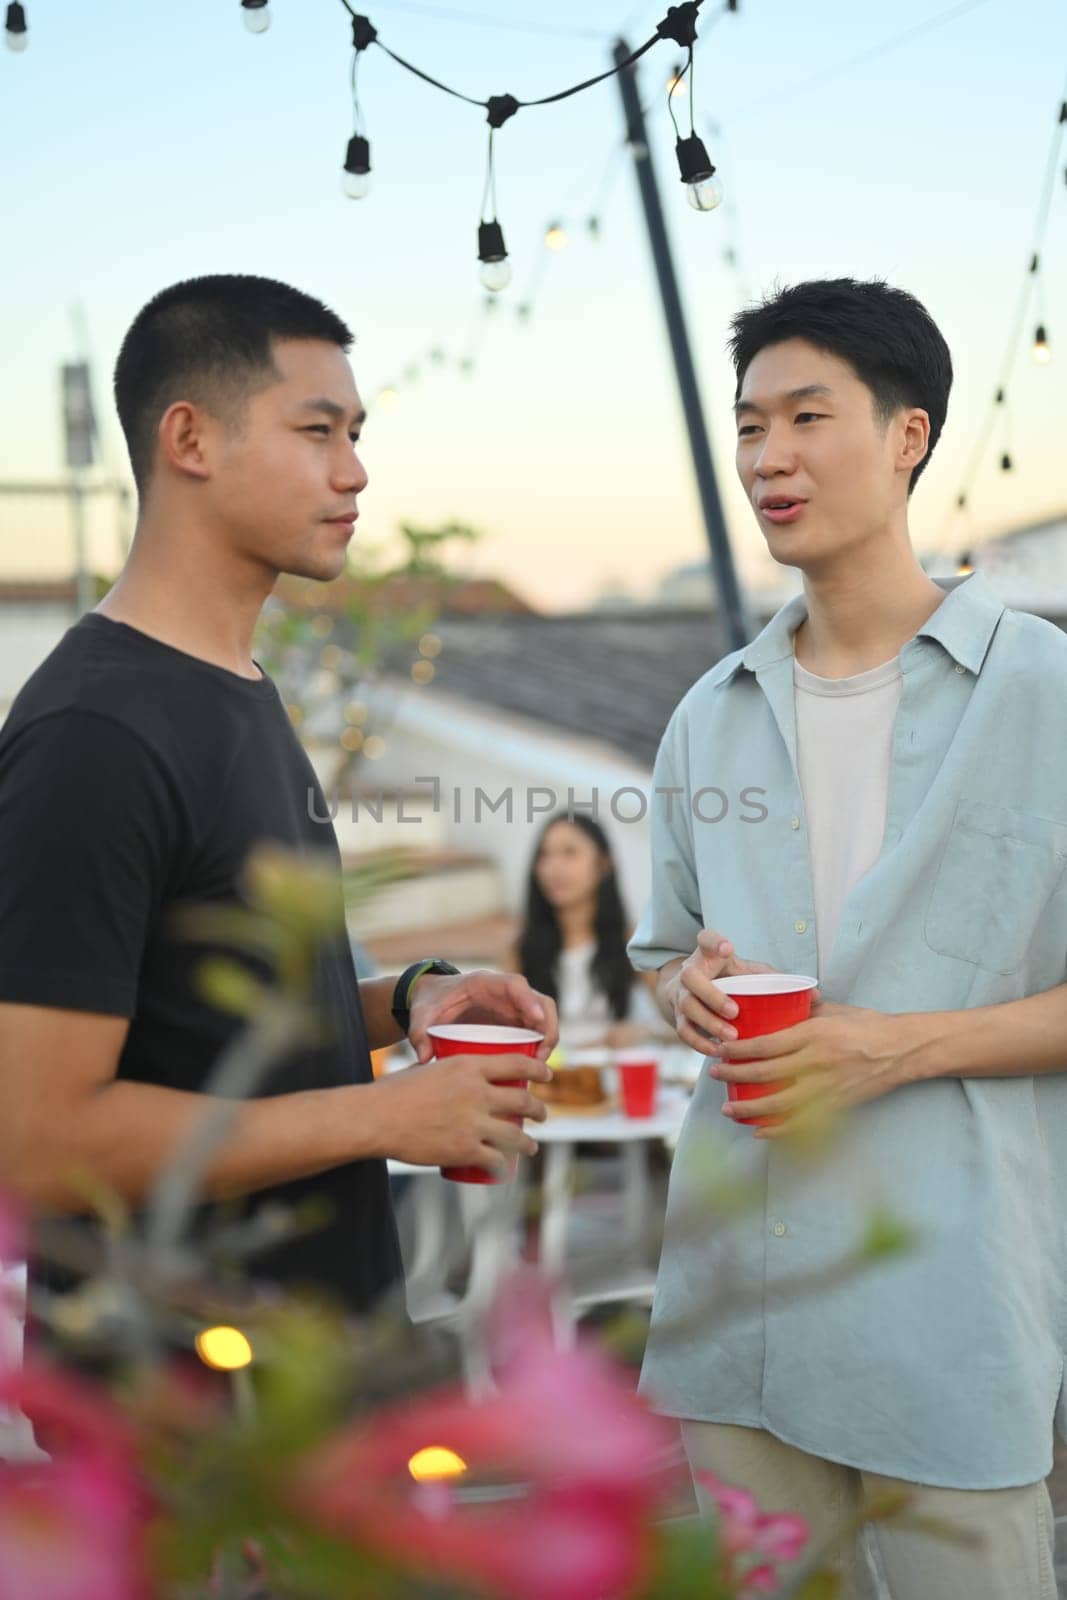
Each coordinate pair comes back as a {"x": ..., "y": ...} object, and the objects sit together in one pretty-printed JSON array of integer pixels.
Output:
[{"x": 671, "y": 920}]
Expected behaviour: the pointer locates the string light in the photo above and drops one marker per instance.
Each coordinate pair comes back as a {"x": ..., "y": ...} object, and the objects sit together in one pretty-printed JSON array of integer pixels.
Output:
[
  {"x": 703, "y": 187},
  {"x": 224, "y": 1349},
  {"x": 16, "y": 33},
  {"x": 493, "y": 255},
  {"x": 257, "y": 17},
  {"x": 355, "y": 173},
  {"x": 697, "y": 171},
  {"x": 1040, "y": 349},
  {"x": 435, "y": 1461},
  {"x": 966, "y": 565},
  {"x": 555, "y": 237}
]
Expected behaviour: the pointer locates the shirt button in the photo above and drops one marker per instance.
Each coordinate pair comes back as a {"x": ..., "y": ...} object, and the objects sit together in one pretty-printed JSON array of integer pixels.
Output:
[
  {"x": 779, "y": 1230},
  {"x": 800, "y": 927},
  {"x": 960, "y": 669},
  {"x": 794, "y": 823}
]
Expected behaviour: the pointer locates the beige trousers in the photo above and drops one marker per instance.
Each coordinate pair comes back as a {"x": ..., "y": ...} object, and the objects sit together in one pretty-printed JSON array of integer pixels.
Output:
[{"x": 1013, "y": 1562}]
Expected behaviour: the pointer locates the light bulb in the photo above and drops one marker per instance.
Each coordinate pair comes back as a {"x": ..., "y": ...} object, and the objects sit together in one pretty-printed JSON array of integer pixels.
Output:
[
  {"x": 495, "y": 275},
  {"x": 705, "y": 195},
  {"x": 16, "y": 36},
  {"x": 257, "y": 17},
  {"x": 355, "y": 173},
  {"x": 1042, "y": 353},
  {"x": 555, "y": 236},
  {"x": 495, "y": 270}
]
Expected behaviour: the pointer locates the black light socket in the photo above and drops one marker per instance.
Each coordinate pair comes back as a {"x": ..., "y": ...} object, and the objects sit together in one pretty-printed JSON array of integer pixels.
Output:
[
  {"x": 694, "y": 163},
  {"x": 357, "y": 157},
  {"x": 491, "y": 246}
]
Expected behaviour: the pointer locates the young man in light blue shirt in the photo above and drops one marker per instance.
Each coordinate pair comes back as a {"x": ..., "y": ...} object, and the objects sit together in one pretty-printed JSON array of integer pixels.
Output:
[{"x": 904, "y": 738}]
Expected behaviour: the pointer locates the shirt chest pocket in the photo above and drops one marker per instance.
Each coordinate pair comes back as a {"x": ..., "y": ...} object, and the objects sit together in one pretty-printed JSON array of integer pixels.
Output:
[{"x": 998, "y": 871}]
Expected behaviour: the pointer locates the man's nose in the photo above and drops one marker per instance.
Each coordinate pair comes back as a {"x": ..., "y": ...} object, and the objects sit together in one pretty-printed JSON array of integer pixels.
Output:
[
  {"x": 775, "y": 455},
  {"x": 351, "y": 475}
]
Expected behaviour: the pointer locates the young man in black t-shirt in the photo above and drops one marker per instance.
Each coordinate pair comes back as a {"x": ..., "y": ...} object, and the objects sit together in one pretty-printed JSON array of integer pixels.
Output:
[{"x": 139, "y": 766}]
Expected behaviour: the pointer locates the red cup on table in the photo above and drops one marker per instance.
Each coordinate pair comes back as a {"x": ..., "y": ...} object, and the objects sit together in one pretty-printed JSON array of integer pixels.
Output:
[
  {"x": 638, "y": 1070},
  {"x": 766, "y": 1002},
  {"x": 484, "y": 1039}
]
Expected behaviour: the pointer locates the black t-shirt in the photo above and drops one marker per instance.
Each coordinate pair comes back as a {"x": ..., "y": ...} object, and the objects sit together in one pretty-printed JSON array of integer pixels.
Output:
[{"x": 134, "y": 779}]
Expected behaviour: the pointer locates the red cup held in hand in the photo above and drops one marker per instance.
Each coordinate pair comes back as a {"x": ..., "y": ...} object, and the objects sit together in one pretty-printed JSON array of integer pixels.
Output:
[
  {"x": 484, "y": 1039},
  {"x": 766, "y": 1002},
  {"x": 637, "y": 1081}
]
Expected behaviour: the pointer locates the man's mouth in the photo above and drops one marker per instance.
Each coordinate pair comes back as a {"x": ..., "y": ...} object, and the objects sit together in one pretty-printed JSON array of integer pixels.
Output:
[{"x": 781, "y": 508}]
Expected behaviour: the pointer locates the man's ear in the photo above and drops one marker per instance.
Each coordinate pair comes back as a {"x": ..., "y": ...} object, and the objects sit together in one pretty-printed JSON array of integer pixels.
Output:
[
  {"x": 185, "y": 439},
  {"x": 915, "y": 442}
]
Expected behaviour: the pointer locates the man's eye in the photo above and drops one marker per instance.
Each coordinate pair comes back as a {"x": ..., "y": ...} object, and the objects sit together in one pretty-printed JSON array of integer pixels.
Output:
[
  {"x": 318, "y": 427},
  {"x": 353, "y": 438},
  {"x": 813, "y": 415},
  {"x": 750, "y": 428}
]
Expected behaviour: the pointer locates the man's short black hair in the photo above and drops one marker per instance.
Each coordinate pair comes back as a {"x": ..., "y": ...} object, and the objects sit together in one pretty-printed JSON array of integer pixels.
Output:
[
  {"x": 208, "y": 340},
  {"x": 887, "y": 337}
]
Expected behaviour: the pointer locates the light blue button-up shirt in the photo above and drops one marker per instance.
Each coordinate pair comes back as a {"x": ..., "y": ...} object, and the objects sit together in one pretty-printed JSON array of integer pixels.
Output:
[{"x": 945, "y": 1365}]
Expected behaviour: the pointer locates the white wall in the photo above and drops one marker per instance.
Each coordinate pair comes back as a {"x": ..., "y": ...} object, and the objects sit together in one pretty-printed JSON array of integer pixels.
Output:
[{"x": 28, "y": 631}]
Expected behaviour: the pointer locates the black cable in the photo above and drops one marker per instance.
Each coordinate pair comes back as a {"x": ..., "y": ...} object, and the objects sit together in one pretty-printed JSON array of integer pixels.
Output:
[{"x": 678, "y": 24}]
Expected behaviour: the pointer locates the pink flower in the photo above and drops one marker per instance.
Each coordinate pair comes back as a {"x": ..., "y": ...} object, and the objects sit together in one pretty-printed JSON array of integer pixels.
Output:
[
  {"x": 71, "y": 1529},
  {"x": 563, "y": 1471},
  {"x": 745, "y": 1531},
  {"x": 66, "y": 1534}
]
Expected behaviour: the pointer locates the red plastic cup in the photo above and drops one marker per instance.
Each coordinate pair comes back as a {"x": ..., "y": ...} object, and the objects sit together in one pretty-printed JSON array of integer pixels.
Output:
[
  {"x": 766, "y": 1002},
  {"x": 484, "y": 1039},
  {"x": 637, "y": 1082}
]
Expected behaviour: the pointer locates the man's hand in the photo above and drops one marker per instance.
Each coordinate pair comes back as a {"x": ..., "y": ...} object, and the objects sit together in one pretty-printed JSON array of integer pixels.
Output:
[
  {"x": 481, "y": 997},
  {"x": 454, "y": 1112},
  {"x": 843, "y": 1056},
  {"x": 690, "y": 999}
]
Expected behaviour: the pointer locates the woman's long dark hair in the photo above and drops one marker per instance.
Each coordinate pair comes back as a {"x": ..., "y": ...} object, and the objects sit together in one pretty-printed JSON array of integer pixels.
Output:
[{"x": 541, "y": 941}]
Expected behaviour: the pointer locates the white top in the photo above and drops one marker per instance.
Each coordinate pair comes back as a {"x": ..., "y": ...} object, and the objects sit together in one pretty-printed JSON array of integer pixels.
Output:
[
  {"x": 844, "y": 741},
  {"x": 584, "y": 1010}
]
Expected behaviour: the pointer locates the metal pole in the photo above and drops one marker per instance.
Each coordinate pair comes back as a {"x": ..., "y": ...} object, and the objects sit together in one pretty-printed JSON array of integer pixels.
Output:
[{"x": 731, "y": 604}]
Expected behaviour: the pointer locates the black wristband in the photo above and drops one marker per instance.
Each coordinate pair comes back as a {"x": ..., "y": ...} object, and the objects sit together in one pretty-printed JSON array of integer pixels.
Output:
[{"x": 407, "y": 981}]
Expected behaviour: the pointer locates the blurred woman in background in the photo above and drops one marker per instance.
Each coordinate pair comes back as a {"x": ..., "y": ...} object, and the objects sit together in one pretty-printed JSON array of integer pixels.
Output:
[{"x": 573, "y": 942}]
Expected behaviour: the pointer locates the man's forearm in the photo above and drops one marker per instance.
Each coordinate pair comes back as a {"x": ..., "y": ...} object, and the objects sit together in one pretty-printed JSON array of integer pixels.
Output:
[
  {"x": 124, "y": 1134},
  {"x": 376, "y": 995},
  {"x": 1021, "y": 1038}
]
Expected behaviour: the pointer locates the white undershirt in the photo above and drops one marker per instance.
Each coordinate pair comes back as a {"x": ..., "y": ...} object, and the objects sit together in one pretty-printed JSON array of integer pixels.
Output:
[
  {"x": 584, "y": 1010},
  {"x": 844, "y": 745}
]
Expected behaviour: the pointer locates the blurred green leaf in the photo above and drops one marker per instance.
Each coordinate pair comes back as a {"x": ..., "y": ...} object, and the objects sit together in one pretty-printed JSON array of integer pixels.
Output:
[
  {"x": 824, "y": 1585},
  {"x": 886, "y": 1235},
  {"x": 686, "y": 1557},
  {"x": 230, "y": 987}
]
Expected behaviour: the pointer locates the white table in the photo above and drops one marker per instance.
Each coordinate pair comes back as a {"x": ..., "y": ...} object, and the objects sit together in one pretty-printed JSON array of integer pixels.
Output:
[
  {"x": 492, "y": 1221},
  {"x": 560, "y": 1136}
]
